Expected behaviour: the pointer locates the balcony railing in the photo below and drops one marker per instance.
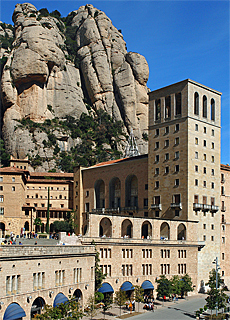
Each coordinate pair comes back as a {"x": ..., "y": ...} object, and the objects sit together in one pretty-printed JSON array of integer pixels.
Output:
[
  {"x": 156, "y": 206},
  {"x": 214, "y": 208},
  {"x": 129, "y": 209},
  {"x": 197, "y": 206},
  {"x": 176, "y": 205},
  {"x": 206, "y": 207}
]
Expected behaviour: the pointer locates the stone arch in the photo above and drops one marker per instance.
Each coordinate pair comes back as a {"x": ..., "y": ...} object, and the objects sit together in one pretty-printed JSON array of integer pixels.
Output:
[
  {"x": 15, "y": 309},
  {"x": 51, "y": 227},
  {"x": 181, "y": 232},
  {"x": 167, "y": 107},
  {"x": 146, "y": 230},
  {"x": 78, "y": 296},
  {"x": 27, "y": 226},
  {"x": 99, "y": 188},
  {"x": 105, "y": 228},
  {"x": 196, "y": 103},
  {"x": 205, "y": 112},
  {"x": 157, "y": 109},
  {"x": 212, "y": 109},
  {"x": 2, "y": 230},
  {"x": 165, "y": 231},
  {"x": 127, "y": 228},
  {"x": 131, "y": 191},
  {"x": 115, "y": 193},
  {"x": 37, "y": 306}
]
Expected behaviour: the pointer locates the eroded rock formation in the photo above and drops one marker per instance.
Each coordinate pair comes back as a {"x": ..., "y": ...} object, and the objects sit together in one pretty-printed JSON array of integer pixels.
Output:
[{"x": 43, "y": 79}]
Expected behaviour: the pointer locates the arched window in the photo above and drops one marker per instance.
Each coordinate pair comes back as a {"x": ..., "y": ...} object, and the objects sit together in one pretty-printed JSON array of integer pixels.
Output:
[
  {"x": 146, "y": 230},
  {"x": 181, "y": 232},
  {"x": 167, "y": 107},
  {"x": 165, "y": 231},
  {"x": 196, "y": 103},
  {"x": 131, "y": 191},
  {"x": 115, "y": 193},
  {"x": 213, "y": 109},
  {"x": 105, "y": 228},
  {"x": 26, "y": 226},
  {"x": 178, "y": 103},
  {"x": 100, "y": 194},
  {"x": 127, "y": 229},
  {"x": 78, "y": 295},
  {"x": 37, "y": 307},
  {"x": 157, "y": 109},
  {"x": 205, "y": 113}
]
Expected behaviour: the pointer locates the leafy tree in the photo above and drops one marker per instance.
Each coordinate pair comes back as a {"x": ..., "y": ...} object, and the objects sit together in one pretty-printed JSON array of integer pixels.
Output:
[
  {"x": 37, "y": 222},
  {"x": 139, "y": 294},
  {"x": 216, "y": 296},
  {"x": 164, "y": 287},
  {"x": 69, "y": 310},
  {"x": 186, "y": 285},
  {"x": 120, "y": 298},
  {"x": 176, "y": 285},
  {"x": 55, "y": 14},
  {"x": 62, "y": 226},
  {"x": 91, "y": 306},
  {"x": 107, "y": 304},
  {"x": 4, "y": 156},
  {"x": 99, "y": 297}
]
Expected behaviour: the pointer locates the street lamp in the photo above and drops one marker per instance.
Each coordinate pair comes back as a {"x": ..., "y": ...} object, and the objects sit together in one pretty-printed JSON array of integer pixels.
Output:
[{"x": 217, "y": 268}]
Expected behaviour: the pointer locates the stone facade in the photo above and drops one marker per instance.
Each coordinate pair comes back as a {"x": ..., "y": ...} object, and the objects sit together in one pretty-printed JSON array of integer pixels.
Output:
[
  {"x": 111, "y": 201},
  {"x": 225, "y": 224},
  {"x": 184, "y": 159},
  {"x": 24, "y": 197},
  {"x": 35, "y": 275}
]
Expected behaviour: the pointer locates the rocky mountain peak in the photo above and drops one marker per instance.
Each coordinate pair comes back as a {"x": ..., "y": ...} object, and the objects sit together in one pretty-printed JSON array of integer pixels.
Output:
[{"x": 65, "y": 67}]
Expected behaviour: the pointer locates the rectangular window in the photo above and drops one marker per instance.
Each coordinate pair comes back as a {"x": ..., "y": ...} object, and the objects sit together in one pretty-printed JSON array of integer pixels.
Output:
[
  {"x": 222, "y": 256},
  {"x": 177, "y": 168},
  {"x": 205, "y": 130},
  {"x": 157, "y": 145},
  {"x": 204, "y": 226},
  {"x": 13, "y": 179},
  {"x": 213, "y": 146},
  {"x": 177, "y": 141},
  {"x": 1, "y": 198},
  {"x": 166, "y": 143},
  {"x": 204, "y": 237},
  {"x": 212, "y": 238},
  {"x": 212, "y": 226},
  {"x": 196, "y": 127},
  {"x": 196, "y": 155},
  {"x": 204, "y": 184},
  {"x": 1, "y": 179},
  {"x": 13, "y": 188},
  {"x": 205, "y": 144},
  {"x": 157, "y": 171},
  {"x": 213, "y": 159},
  {"x": 205, "y": 157},
  {"x": 177, "y": 155},
  {"x": 157, "y": 157},
  {"x": 146, "y": 202},
  {"x": 157, "y": 184},
  {"x": 212, "y": 185},
  {"x": 205, "y": 171},
  {"x": 177, "y": 127},
  {"x": 146, "y": 186},
  {"x": 196, "y": 141},
  {"x": 213, "y": 132},
  {"x": 166, "y": 130},
  {"x": 213, "y": 172},
  {"x": 196, "y": 168},
  {"x": 196, "y": 182},
  {"x": 166, "y": 156},
  {"x": 1, "y": 211},
  {"x": 196, "y": 198},
  {"x": 87, "y": 207},
  {"x": 157, "y": 132},
  {"x": 166, "y": 170},
  {"x": 177, "y": 182}
]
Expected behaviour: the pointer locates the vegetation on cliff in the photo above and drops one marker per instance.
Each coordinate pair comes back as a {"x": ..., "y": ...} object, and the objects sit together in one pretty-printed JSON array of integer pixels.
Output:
[{"x": 98, "y": 135}]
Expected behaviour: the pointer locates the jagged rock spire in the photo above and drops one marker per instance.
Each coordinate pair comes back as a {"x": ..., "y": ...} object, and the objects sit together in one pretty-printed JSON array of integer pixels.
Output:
[{"x": 131, "y": 149}]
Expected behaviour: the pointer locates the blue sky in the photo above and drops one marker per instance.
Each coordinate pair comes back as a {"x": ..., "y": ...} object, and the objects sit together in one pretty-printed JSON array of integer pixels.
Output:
[{"x": 179, "y": 39}]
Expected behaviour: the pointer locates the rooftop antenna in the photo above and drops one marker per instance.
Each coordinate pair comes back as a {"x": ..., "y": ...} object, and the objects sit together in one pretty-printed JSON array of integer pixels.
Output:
[{"x": 131, "y": 149}]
